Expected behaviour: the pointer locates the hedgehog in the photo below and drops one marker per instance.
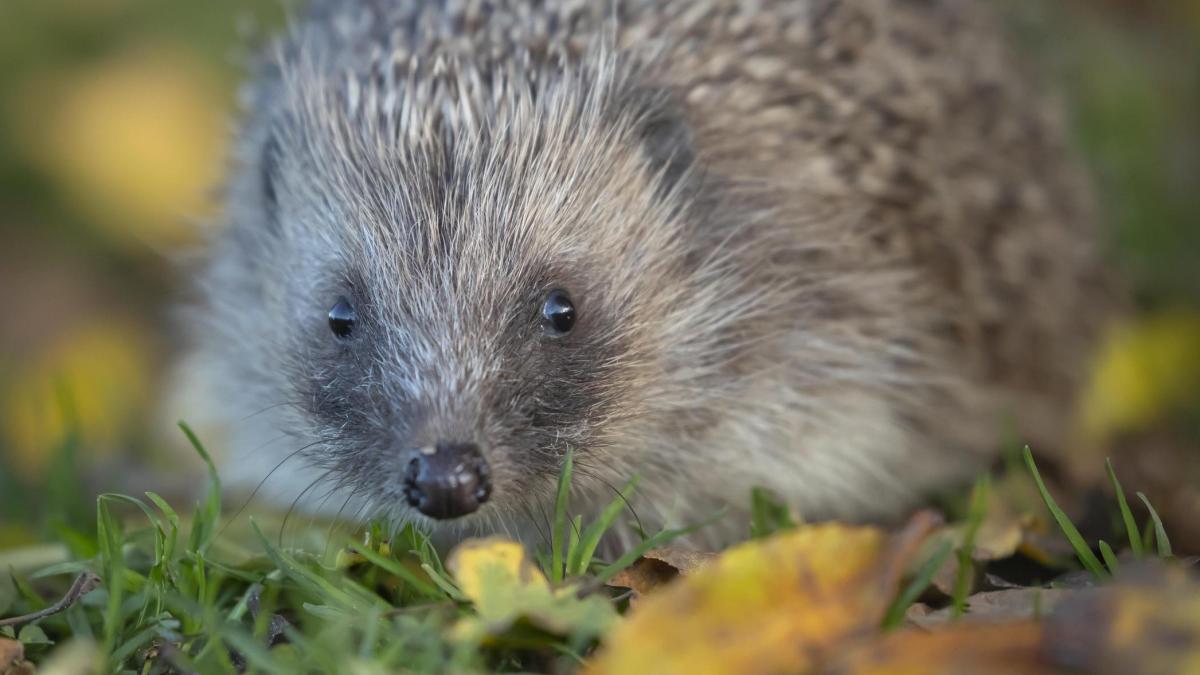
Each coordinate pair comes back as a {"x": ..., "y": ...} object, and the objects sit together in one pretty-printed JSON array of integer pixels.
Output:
[{"x": 833, "y": 249}]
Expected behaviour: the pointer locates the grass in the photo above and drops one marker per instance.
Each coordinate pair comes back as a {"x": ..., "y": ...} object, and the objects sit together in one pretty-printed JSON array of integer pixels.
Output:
[
  {"x": 202, "y": 602},
  {"x": 1089, "y": 560},
  {"x": 768, "y": 514},
  {"x": 194, "y": 593},
  {"x": 966, "y": 565},
  {"x": 920, "y": 581},
  {"x": 1135, "y": 540},
  {"x": 1082, "y": 550}
]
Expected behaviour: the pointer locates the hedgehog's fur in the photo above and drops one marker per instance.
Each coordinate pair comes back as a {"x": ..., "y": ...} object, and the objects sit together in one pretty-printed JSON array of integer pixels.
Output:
[{"x": 826, "y": 247}]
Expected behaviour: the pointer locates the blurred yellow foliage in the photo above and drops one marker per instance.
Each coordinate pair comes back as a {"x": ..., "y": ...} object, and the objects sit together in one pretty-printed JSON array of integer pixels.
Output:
[
  {"x": 1145, "y": 370},
  {"x": 506, "y": 588},
  {"x": 136, "y": 141},
  {"x": 101, "y": 371},
  {"x": 473, "y": 560},
  {"x": 767, "y": 606}
]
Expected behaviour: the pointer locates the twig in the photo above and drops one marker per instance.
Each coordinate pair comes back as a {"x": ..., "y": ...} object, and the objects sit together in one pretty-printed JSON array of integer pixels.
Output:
[{"x": 85, "y": 583}]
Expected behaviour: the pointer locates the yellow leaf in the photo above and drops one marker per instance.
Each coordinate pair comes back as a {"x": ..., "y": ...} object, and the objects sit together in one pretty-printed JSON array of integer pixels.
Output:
[
  {"x": 477, "y": 564},
  {"x": 1010, "y": 649},
  {"x": 1145, "y": 370},
  {"x": 767, "y": 606},
  {"x": 506, "y": 588}
]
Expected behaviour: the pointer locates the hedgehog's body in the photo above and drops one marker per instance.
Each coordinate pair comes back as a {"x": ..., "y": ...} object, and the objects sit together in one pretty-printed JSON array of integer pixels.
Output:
[{"x": 823, "y": 247}]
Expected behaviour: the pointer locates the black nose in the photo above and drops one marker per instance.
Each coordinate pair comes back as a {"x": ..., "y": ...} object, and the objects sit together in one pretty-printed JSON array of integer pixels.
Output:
[{"x": 450, "y": 481}]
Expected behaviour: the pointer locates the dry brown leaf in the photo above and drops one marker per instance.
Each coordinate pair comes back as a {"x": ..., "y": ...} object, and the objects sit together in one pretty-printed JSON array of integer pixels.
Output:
[
  {"x": 1000, "y": 534},
  {"x": 644, "y": 576},
  {"x": 1148, "y": 624},
  {"x": 682, "y": 560},
  {"x": 1007, "y": 606},
  {"x": 658, "y": 567},
  {"x": 1011, "y": 649},
  {"x": 772, "y": 605},
  {"x": 12, "y": 658}
]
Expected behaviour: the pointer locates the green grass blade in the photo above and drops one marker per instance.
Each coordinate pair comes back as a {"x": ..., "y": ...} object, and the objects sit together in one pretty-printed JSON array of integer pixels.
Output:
[
  {"x": 124, "y": 651},
  {"x": 204, "y": 522},
  {"x": 609, "y": 571},
  {"x": 1147, "y": 535},
  {"x": 1131, "y": 528},
  {"x": 351, "y": 598},
  {"x": 163, "y": 506},
  {"x": 573, "y": 551},
  {"x": 444, "y": 583},
  {"x": 561, "y": 503},
  {"x": 254, "y": 652},
  {"x": 112, "y": 570},
  {"x": 767, "y": 514},
  {"x": 1160, "y": 534},
  {"x": 966, "y": 566},
  {"x": 394, "y": 568},
  {"x": 917, "y": 586},
  {"x": 591, "y": 537},
  {"x": 1082, "y": 550},
  {"x": 1110, "y": 558},
  {"x": 134, "y": 501}
]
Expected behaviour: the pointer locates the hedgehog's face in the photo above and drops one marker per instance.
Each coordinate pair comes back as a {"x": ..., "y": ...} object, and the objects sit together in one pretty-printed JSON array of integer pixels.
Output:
[
  {"x": 431, "y": 399},
  {"x": 479, "y": 302}
]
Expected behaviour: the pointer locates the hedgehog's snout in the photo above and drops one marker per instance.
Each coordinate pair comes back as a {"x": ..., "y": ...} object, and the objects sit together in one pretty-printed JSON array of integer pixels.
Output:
[{"x": 447, "y": 480}]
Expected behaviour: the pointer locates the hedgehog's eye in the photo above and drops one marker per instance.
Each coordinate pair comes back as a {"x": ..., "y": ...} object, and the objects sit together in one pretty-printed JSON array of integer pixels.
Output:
[
  {"x": 342, "y": 318},
  {"x": 558, "y": 314}
]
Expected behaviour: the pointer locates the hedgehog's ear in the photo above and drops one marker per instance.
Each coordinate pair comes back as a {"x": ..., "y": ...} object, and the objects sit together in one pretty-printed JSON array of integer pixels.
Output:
[
  {"x": 667, "y": 143},
  {"x": 268, "y": 176}
]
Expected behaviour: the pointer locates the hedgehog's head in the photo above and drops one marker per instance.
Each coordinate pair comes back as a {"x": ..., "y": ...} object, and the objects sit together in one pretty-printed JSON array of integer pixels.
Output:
[{"x": 469, "y": 279}]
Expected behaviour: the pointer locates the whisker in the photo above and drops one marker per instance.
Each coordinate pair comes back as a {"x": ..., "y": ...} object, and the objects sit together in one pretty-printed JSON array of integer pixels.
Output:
[
  {"x": 337, "y": 519},
  {"x": 263, "y": 410},
  {"x": 288, "y": 515},
  {"x": 262, "y": 482},
  {"x": 320, "y": 507},
  {"x": 536, "y": 523},
  {"x": 628, "y": 504}
]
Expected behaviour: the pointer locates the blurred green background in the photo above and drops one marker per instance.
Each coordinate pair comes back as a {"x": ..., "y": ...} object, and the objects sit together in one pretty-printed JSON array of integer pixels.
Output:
[{"x": 114, "y": 117}]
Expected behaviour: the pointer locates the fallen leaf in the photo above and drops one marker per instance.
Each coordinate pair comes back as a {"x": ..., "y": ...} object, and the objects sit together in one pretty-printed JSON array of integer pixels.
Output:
[
  {"x": 979, "y": 649},
  {"x": 1005, "y": 606},
  {"x": 12, "y": 658},
  {"x": 658, "y": 567},
  {"x": 683, "y": 560},
  {"x": 1148, "y": 623},
  {"x": 1000, "y": 534},
  {"x": 643, "y": 577},
  {"x": 507, "y": 589},
  {"x": 770, "y": 605}
]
